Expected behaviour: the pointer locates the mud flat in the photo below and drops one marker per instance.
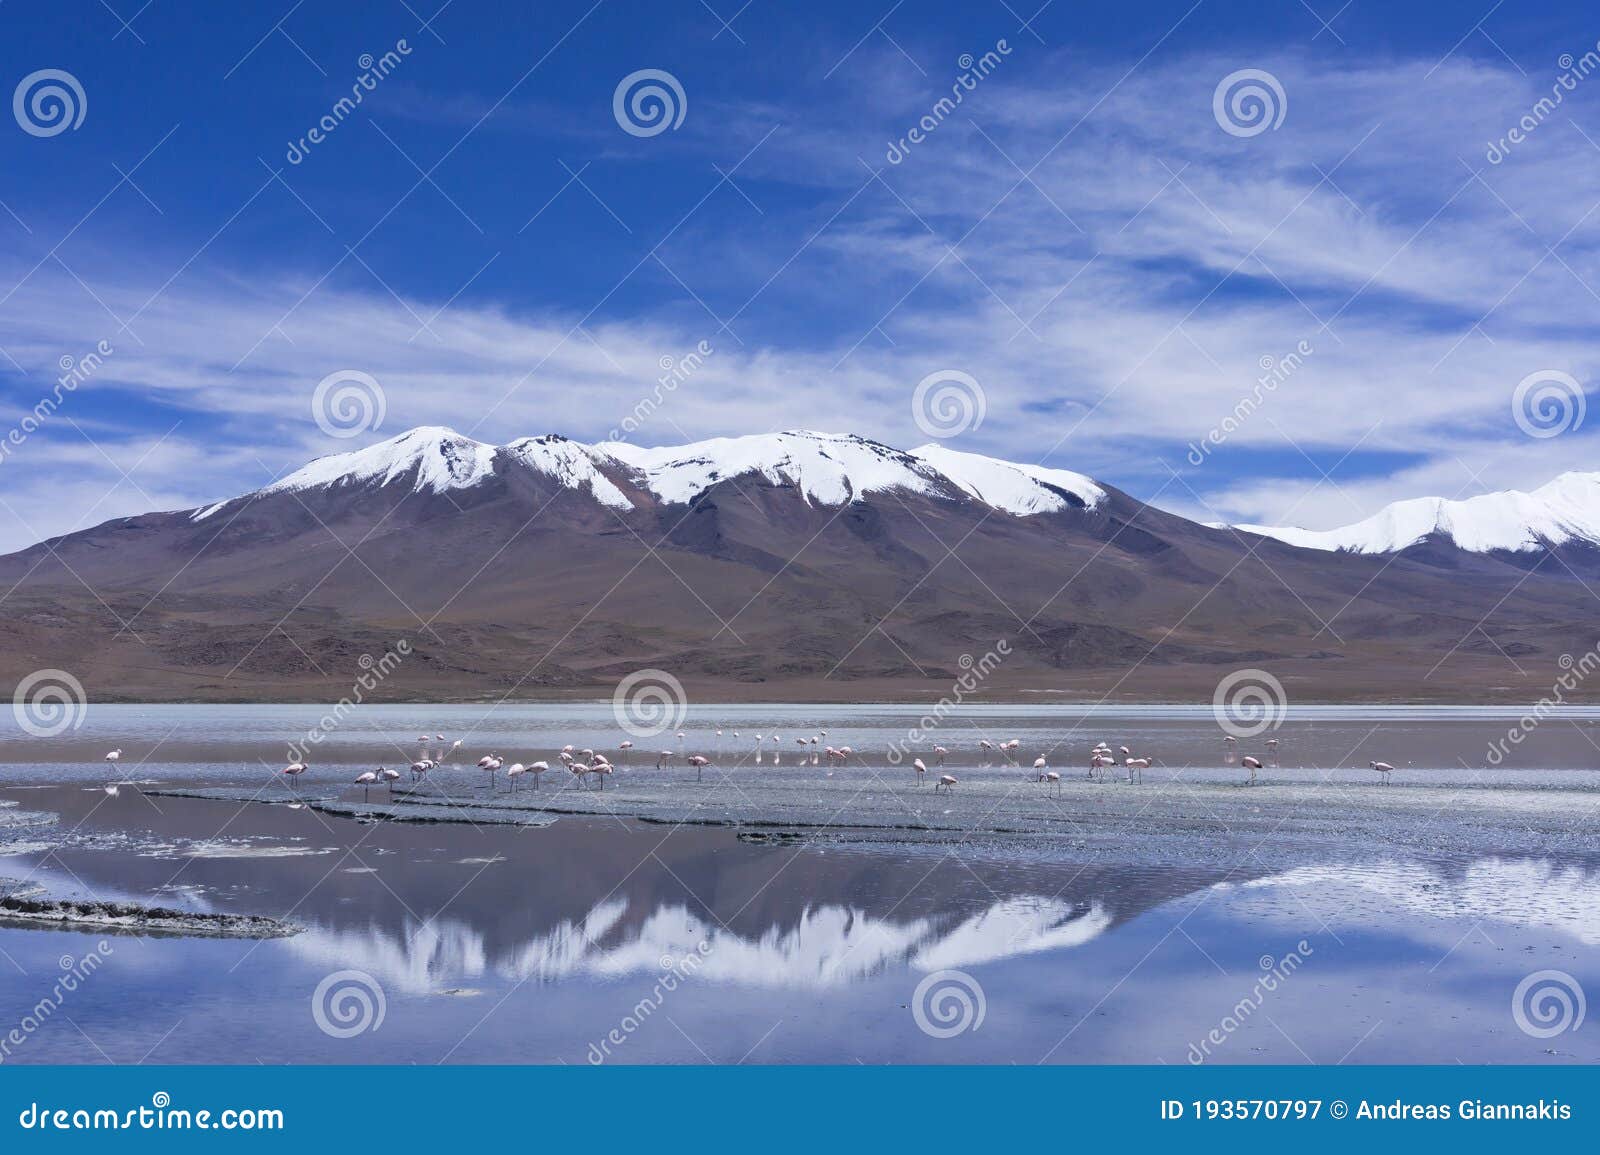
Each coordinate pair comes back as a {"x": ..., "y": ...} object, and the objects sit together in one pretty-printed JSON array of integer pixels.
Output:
[
  {"x": 24, "y": 904},
  {"x": 1173, "y": 817},
  {"x": 404, "y": 806}
]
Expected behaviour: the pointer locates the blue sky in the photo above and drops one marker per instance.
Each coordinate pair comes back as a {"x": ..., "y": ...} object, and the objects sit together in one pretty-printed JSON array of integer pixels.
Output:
[{"x": 1081, "y": 236}]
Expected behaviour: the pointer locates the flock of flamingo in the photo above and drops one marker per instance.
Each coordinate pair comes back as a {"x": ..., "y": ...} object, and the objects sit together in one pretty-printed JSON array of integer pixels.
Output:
[{"x": 588, "y": 763}]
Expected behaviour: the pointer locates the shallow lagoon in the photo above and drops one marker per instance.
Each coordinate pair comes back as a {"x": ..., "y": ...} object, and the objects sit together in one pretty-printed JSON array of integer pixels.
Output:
[{"x": 695, "y": 943}]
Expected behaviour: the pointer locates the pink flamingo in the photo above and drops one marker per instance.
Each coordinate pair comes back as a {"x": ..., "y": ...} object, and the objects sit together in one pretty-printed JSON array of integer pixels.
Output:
[{"x": 946, "y": 781}]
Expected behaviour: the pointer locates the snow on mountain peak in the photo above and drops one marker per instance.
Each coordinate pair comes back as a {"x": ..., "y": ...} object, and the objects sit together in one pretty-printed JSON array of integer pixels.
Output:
[
  {"x": 571, "y": 464},
  {"x": 1013, "y": 487},
  {"x": 443, "y": 459},
  {"x": 828, "y": 469},
  {"x": 1564, "y": 510}
]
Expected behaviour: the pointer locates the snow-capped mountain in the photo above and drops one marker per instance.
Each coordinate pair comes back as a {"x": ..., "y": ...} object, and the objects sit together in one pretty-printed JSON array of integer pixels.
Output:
[
  {"x": 1566, "y": 511},
  {"x": 827, "y": 469},
  {"x": 813, "y": 565}
]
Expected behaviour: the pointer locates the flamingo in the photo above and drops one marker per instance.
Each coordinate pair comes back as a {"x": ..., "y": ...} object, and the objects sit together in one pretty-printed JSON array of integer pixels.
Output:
[
  {"x": 294, "y": 770},
  {"x": 699, "y": 762},
  {"x": 665, "y": 757},
  {"x": 1384, "y": 769},
  {"x": 1139, "y": 764},
  {"x": 1040, "y": 766},
  {"x": 939, "y": 752},
  {"x": 390, "y": 777},
  {"x": 491, "y": 763},
  {"x": 626, "y": 748},
  {"x": 114, "y": 755},
  {"x": 578, "y": 769},
  {"x": 419, "y": 768},
  {"x": 1052, "y": 776},
  {"x": 601, "y": 769},
  {"x": 1100, "y": 762},
  {"x": 365, "y": 779},
  {"x": 946, "y": 781},
  {"x": 513, "y": 772},
  {"x": 758, "y": 749},
  {"x": 1251, "y": 763},
  {"x": 920, "y": 768},
  {"x": 537, "y": 769},
  {"x": 988, "y": 750},
  {"x": 831, "y": 755}
]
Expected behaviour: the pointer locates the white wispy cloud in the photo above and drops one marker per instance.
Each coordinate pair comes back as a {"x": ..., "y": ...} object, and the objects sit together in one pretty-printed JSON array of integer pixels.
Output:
[{"x": 1115, "y": 305}]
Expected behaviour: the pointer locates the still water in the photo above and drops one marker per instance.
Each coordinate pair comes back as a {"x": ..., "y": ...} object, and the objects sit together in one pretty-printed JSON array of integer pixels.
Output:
[{"x": 611, "y": 939}]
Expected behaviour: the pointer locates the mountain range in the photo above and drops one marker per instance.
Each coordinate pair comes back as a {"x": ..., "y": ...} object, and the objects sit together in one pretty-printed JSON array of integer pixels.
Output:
[{"x": 796, "y": 565}]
